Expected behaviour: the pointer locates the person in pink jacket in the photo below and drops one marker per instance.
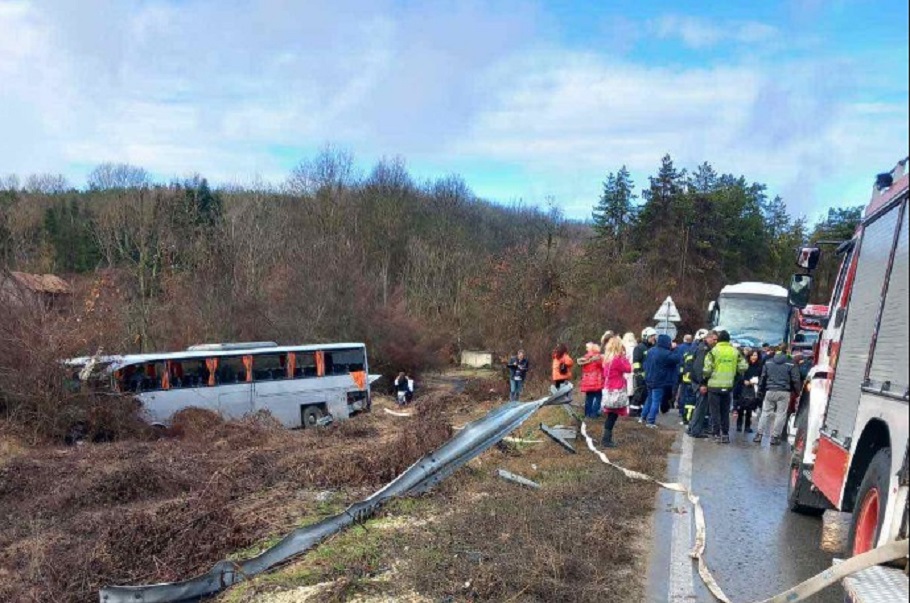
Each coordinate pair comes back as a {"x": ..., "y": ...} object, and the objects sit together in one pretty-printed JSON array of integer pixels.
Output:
[
  {"x": 616, "y": 367},
  {"x": 592, "y": 380}
]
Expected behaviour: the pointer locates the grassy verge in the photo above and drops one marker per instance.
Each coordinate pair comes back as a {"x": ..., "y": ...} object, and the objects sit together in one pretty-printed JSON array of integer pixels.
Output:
[{"x": 581, "y": 537}]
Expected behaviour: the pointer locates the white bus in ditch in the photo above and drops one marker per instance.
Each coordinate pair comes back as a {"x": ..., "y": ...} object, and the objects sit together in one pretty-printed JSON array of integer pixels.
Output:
[{"x": 298, "y": 385}]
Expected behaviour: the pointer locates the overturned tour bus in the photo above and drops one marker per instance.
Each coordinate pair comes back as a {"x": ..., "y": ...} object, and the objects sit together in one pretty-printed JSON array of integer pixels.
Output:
[{"x": 299, "y": 385}]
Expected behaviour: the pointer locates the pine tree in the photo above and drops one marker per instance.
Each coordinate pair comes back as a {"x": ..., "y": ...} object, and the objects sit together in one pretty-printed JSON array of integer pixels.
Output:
[{"x": 614, "y": 212}]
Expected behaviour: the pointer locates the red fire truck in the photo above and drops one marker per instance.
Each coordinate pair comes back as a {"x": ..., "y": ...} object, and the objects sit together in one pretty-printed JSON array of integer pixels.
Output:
[
  {"x": 806, "y": 330},
  {"x": 850, "y": 431}
]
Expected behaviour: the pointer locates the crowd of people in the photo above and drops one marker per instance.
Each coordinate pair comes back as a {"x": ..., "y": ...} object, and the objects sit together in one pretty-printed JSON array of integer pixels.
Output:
[{"x": 706, "y": 378}]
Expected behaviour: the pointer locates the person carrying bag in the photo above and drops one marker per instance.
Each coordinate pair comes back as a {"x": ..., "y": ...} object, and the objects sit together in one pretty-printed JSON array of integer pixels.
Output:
[{"x": 615, "y": 397}]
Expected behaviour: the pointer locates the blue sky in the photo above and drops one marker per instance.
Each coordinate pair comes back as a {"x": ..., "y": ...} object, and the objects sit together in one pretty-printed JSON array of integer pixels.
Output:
[{"x": 526, "y": 100}]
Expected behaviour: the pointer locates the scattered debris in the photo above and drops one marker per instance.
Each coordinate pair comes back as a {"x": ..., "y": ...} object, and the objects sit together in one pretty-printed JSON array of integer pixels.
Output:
[
  {"x": 396, "y": 414},
  {"x": 523, "y": 481},
  {"x": 521, "y": 441},
  {"x": 557, "y": 437}
]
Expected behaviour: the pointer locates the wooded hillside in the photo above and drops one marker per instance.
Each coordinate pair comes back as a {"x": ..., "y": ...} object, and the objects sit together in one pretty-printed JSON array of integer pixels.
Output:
[{"x": 417, "y": 270}]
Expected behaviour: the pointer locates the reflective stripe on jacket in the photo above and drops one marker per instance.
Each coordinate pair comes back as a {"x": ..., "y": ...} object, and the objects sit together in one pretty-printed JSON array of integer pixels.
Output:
[{"x": 722, "y": 365}]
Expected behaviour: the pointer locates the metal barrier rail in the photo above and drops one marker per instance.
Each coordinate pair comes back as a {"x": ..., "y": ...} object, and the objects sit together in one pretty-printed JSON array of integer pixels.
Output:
[{"x": 430, "y": 470}]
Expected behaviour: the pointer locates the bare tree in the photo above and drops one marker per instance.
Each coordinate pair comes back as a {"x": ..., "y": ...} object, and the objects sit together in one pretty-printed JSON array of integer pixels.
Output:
[
  {"x": 108, "y": 176},
  {"x": 48, "y": 184}
]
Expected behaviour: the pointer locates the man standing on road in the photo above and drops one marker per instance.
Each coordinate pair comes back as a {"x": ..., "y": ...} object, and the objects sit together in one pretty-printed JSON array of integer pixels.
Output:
[
  {"x": 661, "y": 372},
  {"x": 723, "y": 366},
  {"x": 780, "y": 377},
  {"x": 700, "y": 384},
  {"x": 518, "y": 372}
]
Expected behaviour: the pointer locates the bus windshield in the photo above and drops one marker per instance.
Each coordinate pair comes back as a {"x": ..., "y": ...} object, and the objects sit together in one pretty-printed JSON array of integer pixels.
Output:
[{"x": 752, "y": 321}]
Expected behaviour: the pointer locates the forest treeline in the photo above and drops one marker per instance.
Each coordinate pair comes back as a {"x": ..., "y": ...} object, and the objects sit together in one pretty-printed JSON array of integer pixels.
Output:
[{"x": 417, "y": 270}]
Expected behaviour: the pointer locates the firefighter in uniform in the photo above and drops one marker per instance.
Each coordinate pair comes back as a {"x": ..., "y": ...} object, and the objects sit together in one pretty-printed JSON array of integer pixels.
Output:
[{"x": 688, "y": 392}]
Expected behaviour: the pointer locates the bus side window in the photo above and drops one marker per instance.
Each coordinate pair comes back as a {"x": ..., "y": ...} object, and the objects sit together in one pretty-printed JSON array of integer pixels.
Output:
[
  {"x": 188, "y": 373},
  {"x": 345, "y": 361},
  {"x": 268, "y": 367},
  {"x": 306, "y": 365},
  {"x": 230, "y": 370}
]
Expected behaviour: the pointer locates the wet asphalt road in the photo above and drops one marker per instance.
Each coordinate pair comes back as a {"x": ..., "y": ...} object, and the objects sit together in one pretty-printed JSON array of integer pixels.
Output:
[{"x": 757, "y": 548}]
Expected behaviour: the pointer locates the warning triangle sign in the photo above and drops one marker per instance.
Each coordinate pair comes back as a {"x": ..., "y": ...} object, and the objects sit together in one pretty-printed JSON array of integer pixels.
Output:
[{"x": 668, "y": 311}]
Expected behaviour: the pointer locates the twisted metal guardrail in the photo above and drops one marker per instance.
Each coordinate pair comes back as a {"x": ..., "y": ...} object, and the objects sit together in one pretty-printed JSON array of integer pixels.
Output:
[{"x": 430, "y": 470}]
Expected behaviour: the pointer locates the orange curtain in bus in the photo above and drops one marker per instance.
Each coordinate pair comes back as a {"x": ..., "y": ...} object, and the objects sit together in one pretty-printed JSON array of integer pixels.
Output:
[
  {"x": 360, "y": 378},
  {"x": 292, "y": 364},
  {"x": 212, "y": 365},
  {"x": 166, "y": 377},
  {"x": 320, "y": 364},
  {"x": 248, "y": 365}
]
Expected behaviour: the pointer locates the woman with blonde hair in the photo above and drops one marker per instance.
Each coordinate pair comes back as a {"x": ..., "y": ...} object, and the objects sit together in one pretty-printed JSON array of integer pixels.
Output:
[
  {"x": 592, "y": 380},
  {"x": 616, "y": 367}
]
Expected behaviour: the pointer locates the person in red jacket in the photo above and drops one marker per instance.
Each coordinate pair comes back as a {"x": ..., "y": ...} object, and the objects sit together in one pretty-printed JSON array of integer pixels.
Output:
[
  {"x": 592, "y": 380},
  {"x": 616, "y": 368}
]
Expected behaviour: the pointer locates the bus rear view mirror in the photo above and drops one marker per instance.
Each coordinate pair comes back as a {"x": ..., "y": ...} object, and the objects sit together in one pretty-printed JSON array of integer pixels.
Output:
[
  {"x": 808, "y": 258},
  {"x": 800, "y": 289}
]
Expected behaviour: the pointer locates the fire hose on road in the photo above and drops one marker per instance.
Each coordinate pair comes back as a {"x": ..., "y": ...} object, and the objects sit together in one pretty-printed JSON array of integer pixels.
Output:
[{"x": 884, "y": 554}]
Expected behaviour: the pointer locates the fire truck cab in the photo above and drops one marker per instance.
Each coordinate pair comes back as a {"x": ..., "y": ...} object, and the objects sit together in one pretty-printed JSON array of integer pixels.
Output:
[{"x": 850, "y": 433}]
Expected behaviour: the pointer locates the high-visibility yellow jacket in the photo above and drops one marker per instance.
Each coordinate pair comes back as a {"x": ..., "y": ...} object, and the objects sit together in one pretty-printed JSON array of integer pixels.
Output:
[{"x": 722, "y": 365}]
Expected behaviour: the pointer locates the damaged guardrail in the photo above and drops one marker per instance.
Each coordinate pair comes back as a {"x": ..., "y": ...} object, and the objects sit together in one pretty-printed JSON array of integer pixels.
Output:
[{"x": 429, "y": 471}]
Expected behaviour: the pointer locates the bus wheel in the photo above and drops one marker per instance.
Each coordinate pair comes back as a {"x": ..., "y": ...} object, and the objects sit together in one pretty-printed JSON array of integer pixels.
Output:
[
  {"x": 801, "y": 498},
  {"x": 871, "y": 502},
  {"x": 311, "y": 415}
]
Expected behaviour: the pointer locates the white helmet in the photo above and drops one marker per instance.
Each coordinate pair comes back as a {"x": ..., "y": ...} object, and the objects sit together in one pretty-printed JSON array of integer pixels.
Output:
[
  {"x": 702, "y": 333},
  {"x": 648, "y": 333}
]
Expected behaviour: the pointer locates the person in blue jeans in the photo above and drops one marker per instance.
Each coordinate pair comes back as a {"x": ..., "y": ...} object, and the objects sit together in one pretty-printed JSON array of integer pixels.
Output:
[
  {"x": 518, "y": 372},
  {"x": 661, "y": 370}
]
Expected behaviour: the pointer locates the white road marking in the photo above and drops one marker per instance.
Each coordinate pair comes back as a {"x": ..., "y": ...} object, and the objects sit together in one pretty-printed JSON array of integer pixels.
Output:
[{"x": 682, "y": 581}]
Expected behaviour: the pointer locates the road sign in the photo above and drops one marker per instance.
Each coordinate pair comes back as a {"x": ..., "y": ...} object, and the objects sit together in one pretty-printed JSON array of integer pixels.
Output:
[
  {"x": 666, "y": 327},
  {"x": 668, "y": 311}
]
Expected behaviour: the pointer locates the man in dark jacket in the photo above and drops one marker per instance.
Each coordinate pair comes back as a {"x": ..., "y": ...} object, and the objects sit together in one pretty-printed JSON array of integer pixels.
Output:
[
  {"x": 779, "y": 379},
  {"x": 661, "y": 370},
  {"x": 699, "y": 384},
  {"x": 518, "y": 372}
]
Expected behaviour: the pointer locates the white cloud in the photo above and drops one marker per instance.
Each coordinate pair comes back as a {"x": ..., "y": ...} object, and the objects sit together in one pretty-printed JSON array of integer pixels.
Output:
[
  {"x": 571, "y": 117},
  {"x": 700, "y": 33},
  {"x": 228, "y": 89}
]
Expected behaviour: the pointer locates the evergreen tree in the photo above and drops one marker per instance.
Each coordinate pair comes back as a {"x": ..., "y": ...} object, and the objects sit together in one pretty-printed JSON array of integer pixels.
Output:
[{"x": 614, "y": 212}]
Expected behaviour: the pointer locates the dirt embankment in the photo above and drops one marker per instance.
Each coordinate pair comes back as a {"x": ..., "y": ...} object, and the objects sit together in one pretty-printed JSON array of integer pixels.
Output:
[
  {"x": 135, "y": 512},
  {"x": 75, "y": 518}
]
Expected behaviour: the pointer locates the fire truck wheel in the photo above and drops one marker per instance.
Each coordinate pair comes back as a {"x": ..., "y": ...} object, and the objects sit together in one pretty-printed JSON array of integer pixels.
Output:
[
  {"x": 801, "y": 498},
  {"x": 871, "y": 502}
]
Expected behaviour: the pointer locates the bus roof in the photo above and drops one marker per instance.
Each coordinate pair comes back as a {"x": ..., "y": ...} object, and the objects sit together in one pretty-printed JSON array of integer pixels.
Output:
[
  {"x": 751, "y": 288},
  {"x": 117, "y": 362}
]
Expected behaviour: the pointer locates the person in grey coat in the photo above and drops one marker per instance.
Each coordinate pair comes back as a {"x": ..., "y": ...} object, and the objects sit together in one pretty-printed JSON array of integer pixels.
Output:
[{"x": 779, "y": 379}]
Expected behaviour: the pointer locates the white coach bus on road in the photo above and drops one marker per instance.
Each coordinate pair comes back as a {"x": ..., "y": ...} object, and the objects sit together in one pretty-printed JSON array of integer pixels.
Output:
[{"x": 298, "y": 385}]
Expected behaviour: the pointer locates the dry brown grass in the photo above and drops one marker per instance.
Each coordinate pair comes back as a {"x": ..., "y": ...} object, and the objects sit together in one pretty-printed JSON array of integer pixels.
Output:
[
  {"x": 577, "y": 539},
  {"x": 148, "y": 511},
  {"x": 582, "y": 537}
]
